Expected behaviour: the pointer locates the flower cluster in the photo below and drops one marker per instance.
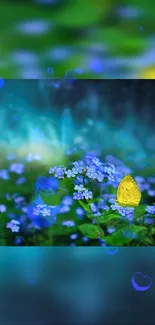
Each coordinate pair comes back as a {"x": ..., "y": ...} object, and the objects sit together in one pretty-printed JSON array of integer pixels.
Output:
[
  {"x": 150, "y": 209},
  {"x": 83, "y": 172},
  {"x": 13, "y": 225},
  {"x": 82, "y": 193},
  {"x": 43, "y": 210},
  {"x": 123, "y": 211}
]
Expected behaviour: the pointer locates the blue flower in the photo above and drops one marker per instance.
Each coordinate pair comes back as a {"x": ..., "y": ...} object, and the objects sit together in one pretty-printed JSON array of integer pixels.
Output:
[
  {"x": 3, "y": 208},
  {"x": 4, "y": 174},
  {"x": 46, "y": 212},
  {"x": 124, "y": 212},
  {"x": 11, "y": 156},
  {"x": 96, "y": 161},
  {"x": 78, "y": 196},
  {"x": 31, "y": 157},
  {"x": 79, "y": 180},
  {"x": 80, "y": 213},
  {"x": 58, "y": 172},
  {"x": 48, "y": 184},
  {"x": 110, "y": 171},
  {"x": 78, "y": 167},
  {"x": 67, "y": 200},
  {"x": 70, "y": 173},
  {"x": 68, "y": 223},
  {"x": 96, "y": 65},
  {"x": 87, "y": 194},
  {"x": 85, "y": 239},
  {"x": 91, "y": 172},
  {"x": 20, "y": 180},
  {"x": 18, "y": 240},
  {"x": 151, "y": 193},
  {"x": 151, "y": 180},
  {"x": 42, "y": 216},
  {"x": 73, "y": 236},
  {"x": 13, "y": 225},
  {"x": 17, "y": 168},
  {"x": 110, "y": 230},
  {"x": 148, "y": 220},
  {"x": 128, "y": 234},
  {"x": 100, "y": 177},
  {"x": 79, "y": 188},
  {"x": 64, "y": 209},
  {"x": 94, "y": 207},
  {"x": 150, "y": 209}
]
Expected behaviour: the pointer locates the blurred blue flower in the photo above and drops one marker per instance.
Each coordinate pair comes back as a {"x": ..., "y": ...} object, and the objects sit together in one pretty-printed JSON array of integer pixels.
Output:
[
  {"x": 34, "y": 27},
  {"x": 110, "y": 230},
  {"x": 85, "y": 239},
  {"x": 23, "y": 57},
  {"x": 1, "y": 82},
  {"x": 30, "y": 157},
  {"x": 129, "y": 12},
  {"x": 94, "y": 207},
  {"x": 64, "y": 209},
  {"x": 40, "y": 215},
  {"x": 47, "y": 183},
  {"x": 21, "y": 180},
  {"x": 4, "y": 174},
  {"x": 80, "y": 212},
  {"x": 151, "y": 179},
  {"x": 3, "y": 208},
  {"x": 128, "y": 234},
  {"x": 11, "y": 156},
  {"x": 150, "y": 209},
  {"x": 73, "y": 236},
  {"x": 67, "y": 200},
  {"x": 151, "y": 193},
  {"x": 148, "y": 220},
  {"x": 11, "y": 215},
  {"x": 19, "y": 199},
  {"x": 96, "y": 65},
  {"x": 78, "y": 70},
  {"x": 139, "y": 179},
  {"x": 13, "y": 225},
  {"x": 68, "y": 223},
  {"x": 17, "y": 168},
  {"x": 18, "y": 240},
  {"x": 59, "y": 53}
]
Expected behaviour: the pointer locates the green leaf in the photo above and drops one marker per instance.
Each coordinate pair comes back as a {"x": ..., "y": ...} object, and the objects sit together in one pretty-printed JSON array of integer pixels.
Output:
[
  {"x": 81, "y": 13},
  {"x": 107, "y": 218},
  {"x": 85, "y": 206},
  {"x": 118, "y": 237},
  {"x": 91, "y": 231},
  {"x": 51, "y": 200},
  {"x": 139, "y": 211}
]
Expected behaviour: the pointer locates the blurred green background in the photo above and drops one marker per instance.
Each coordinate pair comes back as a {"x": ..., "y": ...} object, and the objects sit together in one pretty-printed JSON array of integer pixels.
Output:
[{"x": 107, "y": 39}]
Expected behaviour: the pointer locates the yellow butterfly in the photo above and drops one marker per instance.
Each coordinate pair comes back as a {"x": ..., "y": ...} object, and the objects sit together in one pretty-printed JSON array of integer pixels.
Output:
[{"x": 128, "y": 192}]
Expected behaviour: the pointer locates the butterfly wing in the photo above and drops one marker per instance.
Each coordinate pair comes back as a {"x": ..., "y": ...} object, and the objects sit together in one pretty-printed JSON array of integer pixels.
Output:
[{"x": 128, "y": 192}]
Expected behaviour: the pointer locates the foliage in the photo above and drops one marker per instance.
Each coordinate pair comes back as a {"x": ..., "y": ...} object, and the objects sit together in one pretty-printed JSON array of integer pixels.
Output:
[
  {"x": 35, "y": 37},
  {"x": 73, "y": 205}
]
